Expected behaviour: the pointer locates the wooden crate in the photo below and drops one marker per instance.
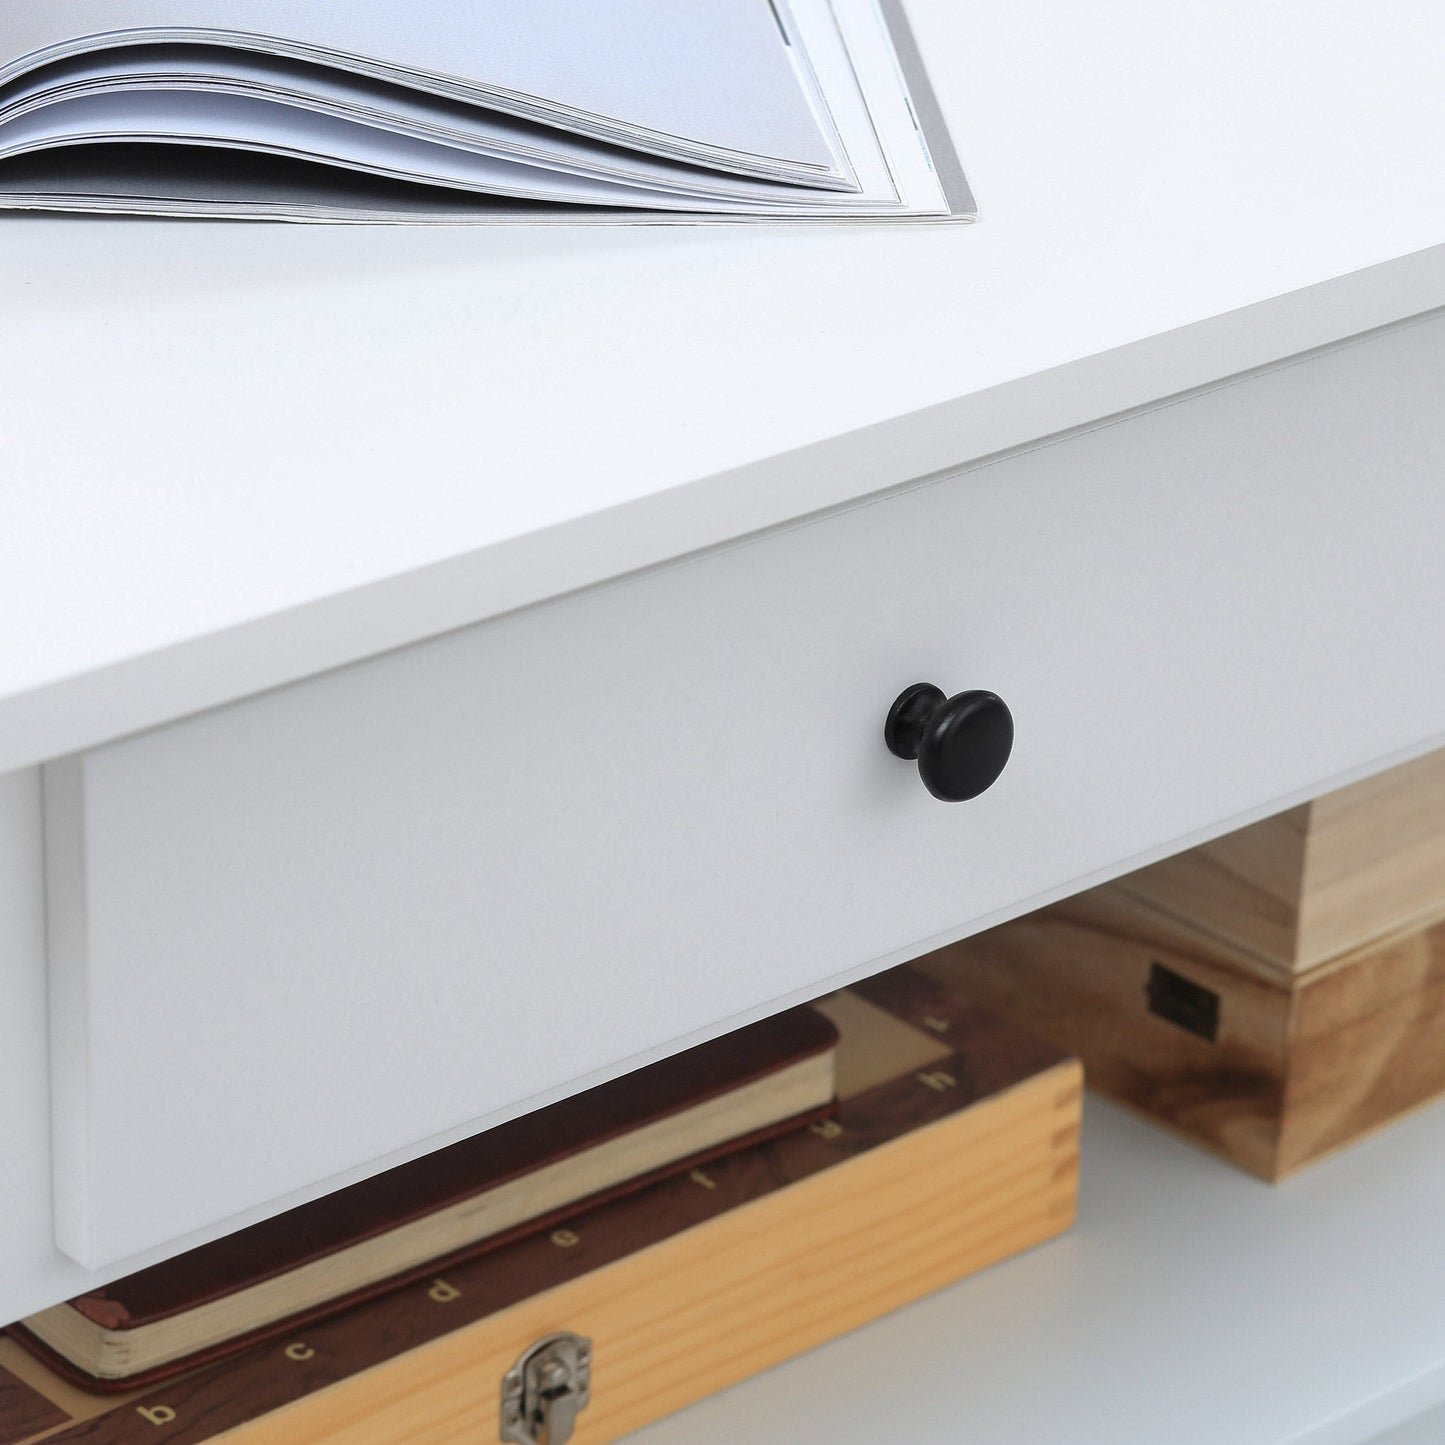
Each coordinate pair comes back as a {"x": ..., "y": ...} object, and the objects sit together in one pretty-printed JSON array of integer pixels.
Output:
[
  {"x": 1269, "y": 1069},
  {"x": 956, "y": 1145},
  {"x": 1318, "y": 881}
]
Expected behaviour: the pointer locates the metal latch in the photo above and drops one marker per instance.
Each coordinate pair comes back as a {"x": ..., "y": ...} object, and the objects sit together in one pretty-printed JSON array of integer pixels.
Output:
[{"x": 543, "y": 1393}]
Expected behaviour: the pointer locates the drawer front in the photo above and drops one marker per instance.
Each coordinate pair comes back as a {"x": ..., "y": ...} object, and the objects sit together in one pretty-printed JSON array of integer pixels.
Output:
[{"x": 296, "y": 935}]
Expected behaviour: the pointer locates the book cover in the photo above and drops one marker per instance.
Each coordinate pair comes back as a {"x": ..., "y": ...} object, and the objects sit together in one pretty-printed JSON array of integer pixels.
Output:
[{"x": 472, "y": 1196}]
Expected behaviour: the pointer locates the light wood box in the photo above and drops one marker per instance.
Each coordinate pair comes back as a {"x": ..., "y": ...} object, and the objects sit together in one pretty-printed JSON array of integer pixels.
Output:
[
  {"x": 955, "y": 1146},
  {"x": 1317, "y": 881},
  {"x": 1273, "y": 1071}
]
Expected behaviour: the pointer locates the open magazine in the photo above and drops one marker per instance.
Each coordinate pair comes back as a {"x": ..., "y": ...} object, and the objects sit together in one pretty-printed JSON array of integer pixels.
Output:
[{"x": 472, "y": 110}]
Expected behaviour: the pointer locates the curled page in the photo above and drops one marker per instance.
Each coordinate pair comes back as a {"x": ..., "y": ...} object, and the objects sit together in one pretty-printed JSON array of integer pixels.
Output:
[
  {"x": 703, "y": 79},
  {"x": 513, "y": 110}
]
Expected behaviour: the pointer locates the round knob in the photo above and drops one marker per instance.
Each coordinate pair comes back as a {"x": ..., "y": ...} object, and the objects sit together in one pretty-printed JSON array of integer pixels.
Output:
[{"x": 962, "y": 743}]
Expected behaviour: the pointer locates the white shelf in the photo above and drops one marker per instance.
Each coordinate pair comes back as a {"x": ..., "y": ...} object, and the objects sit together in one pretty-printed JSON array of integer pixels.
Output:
[
  {"x": 1426, "y": 1429},
  {"x": 1192, "y": 1305}
]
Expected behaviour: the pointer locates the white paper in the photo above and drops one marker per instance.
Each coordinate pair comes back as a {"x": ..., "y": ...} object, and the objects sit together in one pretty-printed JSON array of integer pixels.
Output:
[
  {"x": 713, "y": 75},
  {"x": 204, "y": 129}
]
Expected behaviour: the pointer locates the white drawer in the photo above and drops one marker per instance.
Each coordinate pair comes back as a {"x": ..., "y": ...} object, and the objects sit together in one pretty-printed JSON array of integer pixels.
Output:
[{"x": 294, "y": 935}]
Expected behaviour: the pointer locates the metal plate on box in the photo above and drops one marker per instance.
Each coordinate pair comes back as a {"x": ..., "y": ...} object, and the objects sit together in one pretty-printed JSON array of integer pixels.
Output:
[{"x": 545, "y": 1391}]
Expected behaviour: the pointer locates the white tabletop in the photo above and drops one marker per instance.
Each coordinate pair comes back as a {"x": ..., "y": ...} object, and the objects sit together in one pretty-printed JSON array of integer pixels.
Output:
[{"x": 232, "y": 455}]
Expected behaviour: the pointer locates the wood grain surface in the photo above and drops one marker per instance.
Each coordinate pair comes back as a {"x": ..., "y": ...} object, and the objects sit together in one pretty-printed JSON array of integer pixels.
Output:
[
  {"x": 1297, "y": 1067},
  {"x": 689, "y": 1286},
  {"x": 1310, "y": 884},
  {"x": 24, "y": 1411}
]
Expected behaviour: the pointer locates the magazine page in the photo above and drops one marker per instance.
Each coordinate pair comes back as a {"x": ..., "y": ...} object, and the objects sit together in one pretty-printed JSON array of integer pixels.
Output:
[
  {"x": 172, "y": 127},
  {"x": 65, "y": 97},
  {"x": 700, "y": 78}
]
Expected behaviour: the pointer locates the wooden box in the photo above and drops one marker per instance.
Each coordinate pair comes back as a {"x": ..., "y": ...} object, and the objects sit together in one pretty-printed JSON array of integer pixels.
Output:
[
  {"x": 955, "y": 1145},
  {"x": 1308, "y": 885},
  {"x": 1271, "y": 1069}
]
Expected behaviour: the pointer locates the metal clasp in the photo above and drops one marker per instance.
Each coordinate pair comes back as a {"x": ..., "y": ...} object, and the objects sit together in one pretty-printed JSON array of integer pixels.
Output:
[{"x": 545, "y": 1391}]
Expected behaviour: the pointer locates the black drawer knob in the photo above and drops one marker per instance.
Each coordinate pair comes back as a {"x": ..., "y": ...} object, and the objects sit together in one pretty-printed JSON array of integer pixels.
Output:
[{"x": 962, "y": 743}]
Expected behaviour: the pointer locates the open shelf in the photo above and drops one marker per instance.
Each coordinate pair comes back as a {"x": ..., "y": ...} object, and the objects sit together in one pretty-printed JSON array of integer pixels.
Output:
[{"x": 1192, "y": 1305}]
